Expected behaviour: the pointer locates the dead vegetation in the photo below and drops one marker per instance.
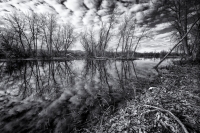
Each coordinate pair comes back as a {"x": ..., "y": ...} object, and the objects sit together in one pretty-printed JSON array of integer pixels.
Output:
[{"x": 172, "y": 107}]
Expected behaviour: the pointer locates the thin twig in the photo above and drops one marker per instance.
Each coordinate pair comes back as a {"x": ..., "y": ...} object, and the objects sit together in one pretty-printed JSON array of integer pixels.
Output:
[{"x": 171, "y": 114}]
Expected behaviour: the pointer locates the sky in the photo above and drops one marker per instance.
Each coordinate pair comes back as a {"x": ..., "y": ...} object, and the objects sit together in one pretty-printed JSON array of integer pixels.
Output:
[{"x": 90, "y": 13}]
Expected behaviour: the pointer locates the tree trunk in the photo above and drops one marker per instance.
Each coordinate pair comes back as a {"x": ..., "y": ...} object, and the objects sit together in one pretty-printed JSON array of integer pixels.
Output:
[
  {"x": 197, "y": 58},
  {"x": 177, "y": 44},
  {"x": 185, "y": 24},
  {"x": 186, "y": 47}
]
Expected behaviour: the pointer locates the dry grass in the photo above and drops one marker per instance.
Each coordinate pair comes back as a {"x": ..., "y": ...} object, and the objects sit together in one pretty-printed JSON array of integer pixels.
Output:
[{"x": 172, "y": 107}]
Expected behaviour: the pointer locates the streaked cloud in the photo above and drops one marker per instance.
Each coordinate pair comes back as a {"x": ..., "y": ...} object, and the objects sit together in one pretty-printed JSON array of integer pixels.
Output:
[
  {"x": 83, "y": 13},
  {"x": 89, "y": 4},
  {"x": 89, "y": 17},
  {"x": 74, "y": 5}
]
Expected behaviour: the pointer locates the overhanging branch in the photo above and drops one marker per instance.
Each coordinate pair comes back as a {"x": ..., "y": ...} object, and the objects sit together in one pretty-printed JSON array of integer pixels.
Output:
[{"x": 177, "y": 44}]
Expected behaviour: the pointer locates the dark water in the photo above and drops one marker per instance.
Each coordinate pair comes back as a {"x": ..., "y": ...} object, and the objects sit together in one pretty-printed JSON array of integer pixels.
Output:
[{"x": 66, "y": 96}]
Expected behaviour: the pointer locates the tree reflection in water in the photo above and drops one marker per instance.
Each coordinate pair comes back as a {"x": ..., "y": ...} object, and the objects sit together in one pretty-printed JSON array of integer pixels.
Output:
[{"x": 63, "y": 96}]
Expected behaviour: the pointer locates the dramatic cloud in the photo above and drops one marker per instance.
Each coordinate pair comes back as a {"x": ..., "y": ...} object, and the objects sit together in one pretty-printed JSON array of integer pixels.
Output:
[
  {"x": 90, "y": 4},
  {"x": 165, "y": 36},
  {"x": 59, "y": 8},
  {"x": 150, "y": 45},
  {"x": 108, "y": 4},
  {"x": 121, "y": 8},
  {"x": 162, "y": 28},
  {"x": 139, "y": 7},
  {"x": 87, "y": 13},
  {"x": 74, "y": 5},
  {"x": 89, "y": 17},
  {"x": 140, "y": 16},
  {"x": 43, "y": 8}
]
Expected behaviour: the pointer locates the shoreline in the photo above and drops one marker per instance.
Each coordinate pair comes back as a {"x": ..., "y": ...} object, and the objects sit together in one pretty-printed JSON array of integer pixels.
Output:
[
  {"x": 78, "y": 58},
  {"x": 66, "y": 59},
  {"x": 173, "y": 104}
]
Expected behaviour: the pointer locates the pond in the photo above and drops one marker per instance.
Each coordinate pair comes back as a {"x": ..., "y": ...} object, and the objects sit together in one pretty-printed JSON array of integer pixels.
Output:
[{"x": 65, "y": 96}]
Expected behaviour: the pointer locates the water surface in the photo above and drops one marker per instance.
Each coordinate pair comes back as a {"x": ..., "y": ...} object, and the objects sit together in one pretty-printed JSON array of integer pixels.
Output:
[{"x": 58, "y": 96}]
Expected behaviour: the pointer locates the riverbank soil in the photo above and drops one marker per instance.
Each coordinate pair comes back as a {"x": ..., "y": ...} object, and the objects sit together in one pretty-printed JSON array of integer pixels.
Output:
[{"x": 173, "y": 106}]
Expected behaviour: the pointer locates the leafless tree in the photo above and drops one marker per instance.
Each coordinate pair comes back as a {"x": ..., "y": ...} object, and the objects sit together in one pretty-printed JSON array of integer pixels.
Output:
[
  {"x": 89, "y": 43},
  {"x": 105, "y": 35},
  {"x": 25, "y": 34},
  {"x": 8, "y": 43},
  {"x": 68, "y": 36},
  {"x": 25, "y": 29},
  {"x": 33, "y": 26},
  {"x": 195, "y": 32},
  {"x": 128, "y": 38},
  {"x": 16, "y": 35},
  {"x": 56, "y": 37},
  {"x": 95, "y": 42},
  {"x": 181, "y": 14},
  {"x": 48, "y": 28},
  {"x": 18, "y": 26}
]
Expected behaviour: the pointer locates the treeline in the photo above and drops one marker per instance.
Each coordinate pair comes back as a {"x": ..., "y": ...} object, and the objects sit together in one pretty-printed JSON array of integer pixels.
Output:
[
  {"x": 95, "y": 42},
  {"x": 40, "y": 35},
  {"x": 157, "y": 54},
  {"x": 30, "y": 35},
  {"x": 143, "y": 54}
]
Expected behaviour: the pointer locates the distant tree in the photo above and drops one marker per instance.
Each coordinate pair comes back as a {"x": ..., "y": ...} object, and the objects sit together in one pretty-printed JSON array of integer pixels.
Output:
[
  {"x": 69, "y": 36},
  {"x": 128, "y": 37},
  {"x": 24, "y": 33},
  {"x": 34, "y": 28},
  {"x": 64, "y": 38},
  {"x": 127, "y": 34},
  {"x": 89, "y": 43},
  {"x": 95, "y": 42},
  {"x": 14, "y": 36},
  {"x": 49, "y": 25}
]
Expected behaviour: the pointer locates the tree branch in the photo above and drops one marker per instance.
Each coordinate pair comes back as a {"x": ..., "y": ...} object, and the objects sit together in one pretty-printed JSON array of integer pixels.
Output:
[
  {"x": 171, "y": 114},
  {"x": 176, "y": 44}
]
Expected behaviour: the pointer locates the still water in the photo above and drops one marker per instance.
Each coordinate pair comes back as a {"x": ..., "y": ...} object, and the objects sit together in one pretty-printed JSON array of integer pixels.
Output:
[{"x": 66, "y": 96}]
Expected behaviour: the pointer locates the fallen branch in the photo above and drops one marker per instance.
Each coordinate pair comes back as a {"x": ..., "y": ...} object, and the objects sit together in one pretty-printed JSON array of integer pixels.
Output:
[
  {"x": 171, "y": 114},
  {"x": 176, "y": 44}
]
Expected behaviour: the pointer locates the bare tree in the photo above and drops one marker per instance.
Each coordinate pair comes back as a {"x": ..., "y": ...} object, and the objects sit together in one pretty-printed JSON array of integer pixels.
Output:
[
  {"x": 195, "y": 32},
  {"x": 16, "y": 27},
  {"x": 127, "y": 34},
  {"x": 95, "y": 42},
  {"x": 145, "y": 33},
  {"x": 68, "y": 36},
  {"x": 181, "y": 14},
  {"x": 33, "y": 26},
  {"x": 8, "y": 43},
  {"x": 105, "y": 35},
  {"x": 26, "y": 32},
  {"x": 128, "y": 38},
  {"x": 177, "y": 43},
  {"x": 89, "y": 43},
  {"x": 48, "y": 28},
  {"x": 64, "y": 38}
]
